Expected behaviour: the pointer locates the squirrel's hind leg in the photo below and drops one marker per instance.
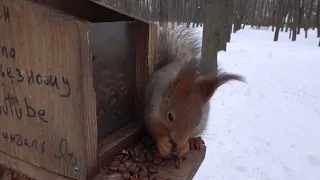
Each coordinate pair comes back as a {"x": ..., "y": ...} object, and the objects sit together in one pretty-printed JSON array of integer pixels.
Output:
[{"x": 196, "y": 143}]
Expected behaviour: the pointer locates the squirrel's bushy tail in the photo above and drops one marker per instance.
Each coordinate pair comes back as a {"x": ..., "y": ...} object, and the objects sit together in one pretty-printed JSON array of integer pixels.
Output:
[{"x": 176, "y": 44}]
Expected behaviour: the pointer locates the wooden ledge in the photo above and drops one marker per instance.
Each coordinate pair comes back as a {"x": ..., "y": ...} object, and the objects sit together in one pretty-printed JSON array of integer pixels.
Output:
[
  {"x": 188, "y": 168},
  {"x": 187, "y": 171},
  {"x": 110, "y": 147}
]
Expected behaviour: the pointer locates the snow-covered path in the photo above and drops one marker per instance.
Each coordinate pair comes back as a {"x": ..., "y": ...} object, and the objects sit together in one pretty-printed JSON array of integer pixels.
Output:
[{"x": 269, "y": 128}]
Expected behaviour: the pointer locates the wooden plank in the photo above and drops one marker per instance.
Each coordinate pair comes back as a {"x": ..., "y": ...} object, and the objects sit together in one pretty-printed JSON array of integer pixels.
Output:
[
  {"x": 120, "y": 11},
  {"x": 86, "y": 10},
  {"x": 176, "y": 9},
  {"x": 28, "y": 169},
  {"x": 112, "y": 145},
  {"x": 88, "y": 109},
  {"x": 152, "y": 46},
  {"x": 46, "y": 116},
  {"x": 188, "y": 168},
  {"x": 146, "y": 36}
]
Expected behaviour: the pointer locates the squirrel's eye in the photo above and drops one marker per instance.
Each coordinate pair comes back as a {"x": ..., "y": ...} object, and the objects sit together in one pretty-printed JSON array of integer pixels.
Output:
[{"x": 170, "y": 116}]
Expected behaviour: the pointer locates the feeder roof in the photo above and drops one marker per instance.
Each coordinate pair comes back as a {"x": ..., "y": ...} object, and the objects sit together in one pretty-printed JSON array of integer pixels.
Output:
[{"x": 151, "y": 11}]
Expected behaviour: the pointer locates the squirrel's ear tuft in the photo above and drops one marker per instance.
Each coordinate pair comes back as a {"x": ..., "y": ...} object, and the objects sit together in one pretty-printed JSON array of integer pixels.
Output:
[{"x": 208, "y": 87}]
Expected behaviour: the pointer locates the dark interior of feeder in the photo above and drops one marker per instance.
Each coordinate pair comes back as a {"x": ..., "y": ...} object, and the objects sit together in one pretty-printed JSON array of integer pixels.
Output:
[{"x": 112, "y": 43}]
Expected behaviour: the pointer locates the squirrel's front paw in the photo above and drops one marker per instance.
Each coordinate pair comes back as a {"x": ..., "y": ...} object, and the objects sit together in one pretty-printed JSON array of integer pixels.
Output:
[
  {"x": 164, "y": 146},
  {"x": 183, "y": 149},
  {"x": 196, "y": 143}
]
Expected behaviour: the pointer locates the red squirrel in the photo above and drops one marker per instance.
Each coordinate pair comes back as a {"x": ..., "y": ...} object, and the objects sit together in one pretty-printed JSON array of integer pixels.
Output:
[{"x": 177, "y": 96}]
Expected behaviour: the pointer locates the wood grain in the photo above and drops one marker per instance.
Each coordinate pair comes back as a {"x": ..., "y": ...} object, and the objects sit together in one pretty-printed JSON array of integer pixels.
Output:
[
  {"x": 112, "y": 145},
  {"x": 188, "y": 168},
  {"x": 46, "y": 96},
  {"x": 86, "y": 10},
  {"x": 88, "y": 109},
  {"x": 146, "y": 35},
  {"x": 28, "y": 169}
]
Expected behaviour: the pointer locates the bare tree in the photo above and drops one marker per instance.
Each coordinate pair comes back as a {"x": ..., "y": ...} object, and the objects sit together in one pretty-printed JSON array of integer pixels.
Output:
[
  {"x": 307, "y": 21},
  {"x": 274, "y": 13},
  {"x": 224, "y": 26},
  {"x": 295, "y": 9},
  {"x": 211, "y": 35},
  {"x": 280, "y": 9},
  {"x": 318, "y": 18},
  {"x": 237, "y": 16},
  {"x": 301, "y": 14},
  {"x": 231, "y": 6},
  {"x": 280, "y": 14}
]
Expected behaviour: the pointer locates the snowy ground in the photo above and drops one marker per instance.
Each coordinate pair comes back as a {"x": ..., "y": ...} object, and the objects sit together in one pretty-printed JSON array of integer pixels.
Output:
[{"x": 269, "y": 128}]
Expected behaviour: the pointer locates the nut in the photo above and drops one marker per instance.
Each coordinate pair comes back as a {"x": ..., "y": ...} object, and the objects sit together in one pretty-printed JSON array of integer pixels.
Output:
[
  {"x": 128, "y": 163},
  {"x": 133, "y": 168},
  {"x": 149, "y": 157},
  {"x": 142, "y": 158},
  {"x": 124, "y": 151},
  {"x": 114, "y": 166},
  {"x": 135, "y": 159},
  {"x": 137, "y": 151},
  {"x": 157, "y": 159},
  {"x": 151, "y": 168},
  {"x": 153, "y": 176},
  {"x": 122, "y": 168},
  {"x": 126, "y": 176},
  {"x": 143, "y": 171}
]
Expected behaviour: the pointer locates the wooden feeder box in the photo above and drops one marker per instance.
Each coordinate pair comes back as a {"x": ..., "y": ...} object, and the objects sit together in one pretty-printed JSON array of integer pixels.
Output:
[{"x": 63, "y": 113}]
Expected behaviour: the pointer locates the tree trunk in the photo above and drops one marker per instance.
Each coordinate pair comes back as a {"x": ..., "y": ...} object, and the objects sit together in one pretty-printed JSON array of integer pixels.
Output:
[
  {"x": 280, "y": 7},
  {"x": 231, "y": 4},
  {"x": 295, "y": 19},
  {"x": 243, "y": 17},
  {"x": 237, "y": 22},
  {"x": 290, "y": 34},
  {"x": 307, "y": 21},
  {"x": 253, "y": 12},
  {"x": 285, "y": 13},
  {"x": 211, "y": 35},
  {"x": 274, "y": 11},
  {"x": 318, "y": 18},
  {"x": 288, "y": 21},
  {"x": 265, "y": 10},
  {"x": 301, "y": 14},
  {"x": 223, "y": 26}
]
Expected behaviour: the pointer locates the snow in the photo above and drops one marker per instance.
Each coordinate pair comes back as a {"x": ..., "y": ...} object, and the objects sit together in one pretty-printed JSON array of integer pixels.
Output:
[{"x": 269, "y": 127}]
